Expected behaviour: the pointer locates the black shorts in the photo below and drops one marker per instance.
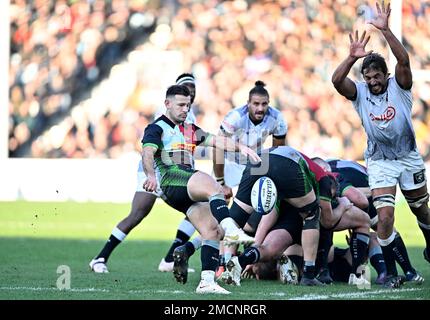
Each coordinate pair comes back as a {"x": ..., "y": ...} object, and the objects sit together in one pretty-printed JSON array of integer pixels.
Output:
[
  {"x": 351, "y": 177},
  {"x": 174, "y": 186},
  {"x": 289, "y": 219},
  {"x": 339, "y": 268},
  {"x": 291, "y": 179}
]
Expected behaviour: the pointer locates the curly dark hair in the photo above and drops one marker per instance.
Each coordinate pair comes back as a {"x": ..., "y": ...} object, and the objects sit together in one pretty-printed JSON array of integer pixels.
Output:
[{"x": 374, "y": 61}]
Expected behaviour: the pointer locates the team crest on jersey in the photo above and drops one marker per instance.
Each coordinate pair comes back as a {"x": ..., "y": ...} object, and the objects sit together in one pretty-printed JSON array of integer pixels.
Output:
[{"x": 387, "y": 115}]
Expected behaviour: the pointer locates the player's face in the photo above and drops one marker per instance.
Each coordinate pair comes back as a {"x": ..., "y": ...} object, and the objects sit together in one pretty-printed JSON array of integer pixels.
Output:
[
  {"x": 177, "y": 108},
  {"x": 192, "y": 89},
  {"x": 376, "y": 80},
  {"x": 257, "y": 106}
]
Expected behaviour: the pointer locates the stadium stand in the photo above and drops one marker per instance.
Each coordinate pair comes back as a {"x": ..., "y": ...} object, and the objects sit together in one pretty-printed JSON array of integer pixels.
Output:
[
  {"x": 293, "y": 46},
  {"x": 60, "y": 49}
]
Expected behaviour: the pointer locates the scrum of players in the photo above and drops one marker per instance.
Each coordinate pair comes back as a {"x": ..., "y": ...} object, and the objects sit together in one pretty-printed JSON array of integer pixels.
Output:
[{"x": 293, "y": 240}]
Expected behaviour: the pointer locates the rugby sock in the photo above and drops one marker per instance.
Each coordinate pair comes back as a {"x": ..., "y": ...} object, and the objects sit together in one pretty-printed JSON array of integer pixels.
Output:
[
  {"x": 377, "y": 260},
  {"x": 185, "y": 231},
  {"x": 297, "y": 260},
  {"x": 387, "y": 246},
  {"x": 325, "y": 242},
  {"x": 250, "y": 255},
  {"x": 197, "y": 242},
  {"x": 239, "y": 215},
  {"x": 425, "y": 229},
  {"x": 358, "y": 246},
  {"x": 189, "y": 248},
  {"x": 219, "y": 207},
  {"x": 401, "y": 254},
  {"x": 115, "y": 239},
  {"x": 221, "y": 260},
  {"x": 309, "y": 270},
  {"x": 209, "y": 255}
]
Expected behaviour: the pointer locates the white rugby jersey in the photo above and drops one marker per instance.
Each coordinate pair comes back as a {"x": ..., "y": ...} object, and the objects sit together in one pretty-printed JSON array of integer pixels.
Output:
[
  {"x": 387, "y": 120},
  {"x": 239, "y": 126}
]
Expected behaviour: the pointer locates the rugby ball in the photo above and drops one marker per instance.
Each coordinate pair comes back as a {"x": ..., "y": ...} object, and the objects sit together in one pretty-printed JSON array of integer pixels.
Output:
[{"x": 263, "y": 195}]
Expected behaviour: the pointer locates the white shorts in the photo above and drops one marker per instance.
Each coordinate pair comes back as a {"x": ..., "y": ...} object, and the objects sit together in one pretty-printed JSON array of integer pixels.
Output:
[
  {"x": 141, "y": 178},
  {"x": 233, "y": 173},
  {"x": 408, "y": 172}
]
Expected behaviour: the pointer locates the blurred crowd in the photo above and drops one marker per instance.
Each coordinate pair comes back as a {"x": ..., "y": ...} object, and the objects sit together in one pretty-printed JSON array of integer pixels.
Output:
[
  {"x": 293, "y": 46},
  {"x": 60, "y": 49}
]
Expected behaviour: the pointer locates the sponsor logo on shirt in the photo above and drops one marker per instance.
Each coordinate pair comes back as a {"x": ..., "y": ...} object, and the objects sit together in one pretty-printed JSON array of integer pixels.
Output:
[{"x": 387, "y": 115}]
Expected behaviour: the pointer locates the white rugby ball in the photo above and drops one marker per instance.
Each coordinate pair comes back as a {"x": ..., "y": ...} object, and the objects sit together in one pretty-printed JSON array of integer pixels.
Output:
[{"x": 263, "y": 195}]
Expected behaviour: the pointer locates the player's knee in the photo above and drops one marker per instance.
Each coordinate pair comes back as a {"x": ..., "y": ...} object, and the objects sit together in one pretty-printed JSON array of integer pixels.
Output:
[
  {"x": 385, "y": 220},
  {"x": 311, "y": 215},
  {"x": 417, "y": 202}
]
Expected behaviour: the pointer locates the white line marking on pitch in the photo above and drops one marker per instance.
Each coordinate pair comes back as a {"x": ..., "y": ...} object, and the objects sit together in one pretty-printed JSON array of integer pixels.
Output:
[
  {"x": 354, "y": 294},
  {"x": 361, "y": 294},
  {"x": 54, "y": 289}
]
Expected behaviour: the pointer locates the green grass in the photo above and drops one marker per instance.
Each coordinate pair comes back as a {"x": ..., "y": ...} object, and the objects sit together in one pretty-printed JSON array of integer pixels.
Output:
[{"x": 36, "y": 238}]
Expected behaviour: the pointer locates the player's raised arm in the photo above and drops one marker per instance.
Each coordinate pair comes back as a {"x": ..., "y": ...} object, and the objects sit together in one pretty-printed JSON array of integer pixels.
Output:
[
  {"x": 344, "y": 85},
  {"x": 403, "y": 71},
  {"x": 228, "y": 144}
]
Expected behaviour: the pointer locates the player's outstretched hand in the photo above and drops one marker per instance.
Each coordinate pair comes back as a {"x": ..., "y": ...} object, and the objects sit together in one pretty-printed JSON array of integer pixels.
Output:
[
  {"x": 251, "y": 154},
  {"x": 357, "y": 47},
  {"x": 248, "y": 273},
  {"x": 381, "y": 20}
]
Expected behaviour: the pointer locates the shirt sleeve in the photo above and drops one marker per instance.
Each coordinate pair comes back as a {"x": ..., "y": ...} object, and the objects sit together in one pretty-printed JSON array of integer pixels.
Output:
[
  {"x": 361, "y": 94},
  {"x": 405, "y": 95},
  {"x": 325, "y": 189},
  {"x": 201, "y": 136},
  {"x": 152, "y": 136},
  {"x": 281, "y": 127},
  {"x": 344, "y": 184}
]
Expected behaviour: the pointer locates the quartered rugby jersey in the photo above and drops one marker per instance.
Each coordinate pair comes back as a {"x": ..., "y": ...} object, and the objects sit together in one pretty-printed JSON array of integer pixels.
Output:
[
  {"x": 337, "y": 165},
  {"x": 175, "y": 143},
  {"x": 239, "y": 126},
  {"x": 349, "y": 174},
  {"x": 319, "y": 177}
]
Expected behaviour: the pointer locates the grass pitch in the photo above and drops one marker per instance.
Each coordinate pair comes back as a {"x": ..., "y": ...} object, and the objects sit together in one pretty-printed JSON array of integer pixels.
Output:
[{"x": 37, "y": 238}]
